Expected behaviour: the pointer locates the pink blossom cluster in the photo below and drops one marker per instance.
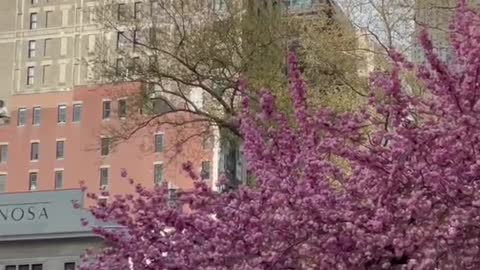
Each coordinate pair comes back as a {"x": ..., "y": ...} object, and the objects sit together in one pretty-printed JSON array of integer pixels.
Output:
[{"x": 394, "y": 186}]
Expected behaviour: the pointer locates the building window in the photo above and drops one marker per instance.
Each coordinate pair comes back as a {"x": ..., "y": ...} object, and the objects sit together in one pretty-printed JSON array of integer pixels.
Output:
[
  {"x": 121, "y": 12},
  {"x": 30, "y": 75},
  {"x": 32, "y": 182},
  {"x": 122, "y": 108},
  {"x": 118, "y": 66},
  {"x": 37, "y": 266},
  {"x": 47, "y": 44},
  {"x": 103, "y": 178},
  {"x": 172, "y": 197},
  {"x": 219, "y": 5},
  {"x": 62, "y": 73},
  {"x": 69, "y": 266},
  {"x": 207, "y": 142},
  {"x": 105, "y": 146},
  {"x": 135, "y": 39},
  {"x": 205, "y": 173},
  {"x": 36, "y": 116},
  {"x": 33, "y": 20},
  {"x": 58, "y": 179},
  {"x": 120, "y": 40},
  {"x": 157, "y": 174},
  {"x": 60, "y": 149},
  {"x": 32, "y": 45},
  {"x": 21, "y": 117},
  {"x": 3, "y": 185},
  {"x": 158, "y": 143},
  {"x": 48, "y": 15},
  {"x": 77, "y": 113},
  {"x": 3, "y": 153},
  {"x": 91, "y": 44},
  {"x": 34, "y": 151},
  {"x": 46, "y": 73},
  {"x": 137, "y": 8},
  {"x": 63, "y": 46},
  {"x": 106, "y": 108},
  {"x": 62, "y": 114}
]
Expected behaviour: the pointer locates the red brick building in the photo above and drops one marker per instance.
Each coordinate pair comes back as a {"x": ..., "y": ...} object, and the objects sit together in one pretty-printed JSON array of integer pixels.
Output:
[{"x": 55, "y": 140}]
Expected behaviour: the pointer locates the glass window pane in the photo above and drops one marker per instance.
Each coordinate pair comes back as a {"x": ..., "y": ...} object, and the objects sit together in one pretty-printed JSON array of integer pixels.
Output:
[
  {"x": 205, "y": 173},
  {"x": 158, "y": 143},
  {"x": 62, "y": 114},
  {"x": 58, "y": 179},
  {"x": 69, "y": 266},
  {"x": 77, "y": 112},
  {"x": 34, "y": 151},
  {"x": 158, "y": 173},
  {"x": 60, "y": 149},
  {"x": 3, "y": 153},
  {"x": 105, "y": 146},
  {"x": 3, "y": 182},
  {"x": 36, "y": 115},
  {"x": 106, "y": 110},
  {"x": 103, "y": 177},
  {"x": 21, "y": 116}
]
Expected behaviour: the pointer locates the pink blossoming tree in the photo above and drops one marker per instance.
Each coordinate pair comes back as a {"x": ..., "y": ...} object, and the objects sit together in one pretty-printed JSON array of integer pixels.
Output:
[{"x": 393, "y": 187}]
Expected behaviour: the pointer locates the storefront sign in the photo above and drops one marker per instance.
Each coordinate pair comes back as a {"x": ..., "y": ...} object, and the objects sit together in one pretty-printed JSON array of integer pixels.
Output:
[
  {"x": 41, "y": 213},
  {"x": 20, "y": 213}
]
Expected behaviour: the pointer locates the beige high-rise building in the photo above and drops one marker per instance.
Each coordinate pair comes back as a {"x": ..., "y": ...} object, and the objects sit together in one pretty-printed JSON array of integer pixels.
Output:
[
  {"x": 436, "y": 15},
  {"x": 44, "y": 45}
]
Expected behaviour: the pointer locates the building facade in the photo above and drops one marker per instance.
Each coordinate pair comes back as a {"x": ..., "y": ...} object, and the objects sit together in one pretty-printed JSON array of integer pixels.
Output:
[
  {"x": 436, "y": 16},
  {"x": 43, "y": 231},
  {"x": 44, "y": 45},
  {"x": 56, "y": 140}
]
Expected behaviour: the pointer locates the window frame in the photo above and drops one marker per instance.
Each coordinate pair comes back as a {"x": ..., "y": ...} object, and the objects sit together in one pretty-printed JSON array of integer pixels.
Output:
[
  {"x": 137, "y": 7},
  {"x": 158, "y": 149},
  {"x": 57, "y": 173},
  {"x": 121, "y": 12},
  {"x": 209, "y": 171},
  {"x": 32, "y": 50},
  {"x": 30, "y": 75},
  {"x": 57, "y": 143},
  {"x": 62, "y": 107},
  {"x": 3, "y": 158},
  {"x": 156, "y": 173},
  {"x": 36, "y": 109},
  {"x": 30, "y": 181},
  {"x": 122, "y": 108},
  {"x": 106, "y": 113},
  {"x": 104, "y": 181},
  {"x": 68, "y": 266},
  {"x": 48, "y": 14},
  {"x": 105, "y": 146},
  {"x": 21, "y": 111},
  {"x": 34, "y": 156},
  {"x": 3, "y": 184},
  {"x": 75, "y": 107},
  {"x": 33, "y": 20},
  {"x": 46, "y": 44}
]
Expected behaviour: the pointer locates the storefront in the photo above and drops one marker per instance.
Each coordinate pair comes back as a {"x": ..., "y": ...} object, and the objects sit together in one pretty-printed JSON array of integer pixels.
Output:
[{"x": 42, "y": 231}]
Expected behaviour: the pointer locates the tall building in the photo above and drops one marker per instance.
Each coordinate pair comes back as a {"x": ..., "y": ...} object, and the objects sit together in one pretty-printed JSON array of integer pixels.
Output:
[
  {"x": 436, "y": 16},
  {"x": 43, "y": 45},
  {"x": 56, "y": 140},
  {"x": 56, "y": 108}
]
